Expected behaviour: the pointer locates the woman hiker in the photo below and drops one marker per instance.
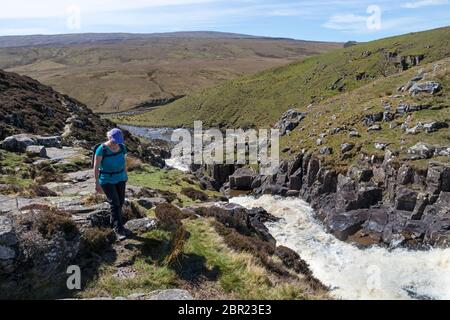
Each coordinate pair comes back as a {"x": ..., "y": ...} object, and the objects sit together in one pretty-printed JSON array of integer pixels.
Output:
[{"x": 111, "y": 176}]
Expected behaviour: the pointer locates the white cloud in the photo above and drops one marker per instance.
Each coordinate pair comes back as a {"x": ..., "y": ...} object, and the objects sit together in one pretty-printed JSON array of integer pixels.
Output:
[
  {"x": 424, "y": 3},
  {"x": 346, "y": 22},
  {"x": 57, "y": 8},
  {"x": 357, "y": 24}
]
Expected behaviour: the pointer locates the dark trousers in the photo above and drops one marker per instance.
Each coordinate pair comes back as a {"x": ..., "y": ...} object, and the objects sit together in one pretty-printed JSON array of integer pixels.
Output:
[{"x": 116, "y": 197}]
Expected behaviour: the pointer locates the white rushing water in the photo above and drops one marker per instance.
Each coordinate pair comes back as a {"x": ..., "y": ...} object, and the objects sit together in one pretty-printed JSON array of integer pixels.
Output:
[
  {"x": 177, "y": 163},
  {"x": 159, "y": 134},
  {"x": 353, "y": 273}
]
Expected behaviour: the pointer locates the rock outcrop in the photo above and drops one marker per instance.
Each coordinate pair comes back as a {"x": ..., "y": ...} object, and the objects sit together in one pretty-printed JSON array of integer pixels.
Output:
[
  {"x": 245, "y": 221},
  {"x": 384, "y": 201},
  {"x": 289, "y": 121}
]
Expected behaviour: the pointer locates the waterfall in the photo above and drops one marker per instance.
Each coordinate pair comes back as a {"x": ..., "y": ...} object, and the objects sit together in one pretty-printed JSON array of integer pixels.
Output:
[{"x": 351, "y": 272}]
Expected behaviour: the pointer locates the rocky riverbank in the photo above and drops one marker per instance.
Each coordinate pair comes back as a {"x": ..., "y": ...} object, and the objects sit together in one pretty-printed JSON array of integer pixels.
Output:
[{"x": 379, "y": 201}]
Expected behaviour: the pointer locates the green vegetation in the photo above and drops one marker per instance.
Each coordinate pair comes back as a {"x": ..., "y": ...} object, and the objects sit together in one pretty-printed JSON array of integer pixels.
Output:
[
  {"x": 348, "y": 110},
  {"x": 173, "y": 181},
  {"x": 223, "y": 273},
  {"x": 14, "y": 170},
  {"x": 261, "y": 99}
]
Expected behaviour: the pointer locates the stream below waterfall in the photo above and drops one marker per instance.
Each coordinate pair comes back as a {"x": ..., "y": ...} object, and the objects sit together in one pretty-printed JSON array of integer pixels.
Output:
[{"x": 350, "y": 272}]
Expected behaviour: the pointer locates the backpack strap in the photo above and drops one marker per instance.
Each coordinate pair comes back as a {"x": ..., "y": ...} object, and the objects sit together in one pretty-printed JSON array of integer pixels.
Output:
[{"x": 121, "y": 151}]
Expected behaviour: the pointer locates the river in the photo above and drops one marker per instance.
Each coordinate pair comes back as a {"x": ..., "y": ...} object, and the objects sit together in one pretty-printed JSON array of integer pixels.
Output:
[
  {"x": 353, "y": 273},
  {"x": 160, "y": 134},
  {"x": 350, "y": 272}
]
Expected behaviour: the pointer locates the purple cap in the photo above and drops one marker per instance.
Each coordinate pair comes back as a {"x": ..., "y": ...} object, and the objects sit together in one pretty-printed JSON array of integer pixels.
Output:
[{"x": 116, "y": 136}]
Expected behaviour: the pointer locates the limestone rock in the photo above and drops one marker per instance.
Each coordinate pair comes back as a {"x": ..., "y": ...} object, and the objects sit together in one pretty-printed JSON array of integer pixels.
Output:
[
  {"x": 242, "y": 179},
  {"x": 430, "y": 87},
  {"x": 289, "y": 121},
  {"x": 346, "y": 147},
  {"x": 38, "y": 151},
  {"x": 18, "y": 143},
  {"x": 140, "y": 225},
  {"x": 149, "y": 203}
]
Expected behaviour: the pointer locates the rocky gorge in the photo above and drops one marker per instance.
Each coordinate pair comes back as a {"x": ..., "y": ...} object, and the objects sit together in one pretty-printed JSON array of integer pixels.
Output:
[{"x": 381, "y": 200}]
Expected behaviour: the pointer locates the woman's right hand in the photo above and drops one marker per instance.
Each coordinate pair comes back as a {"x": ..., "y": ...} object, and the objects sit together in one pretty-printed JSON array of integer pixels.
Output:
[{"x": 98, "y": 188}]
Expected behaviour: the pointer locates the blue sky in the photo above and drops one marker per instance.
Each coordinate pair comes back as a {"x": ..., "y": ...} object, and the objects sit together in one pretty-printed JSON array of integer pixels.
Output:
[{"x": 330, "y": 20}]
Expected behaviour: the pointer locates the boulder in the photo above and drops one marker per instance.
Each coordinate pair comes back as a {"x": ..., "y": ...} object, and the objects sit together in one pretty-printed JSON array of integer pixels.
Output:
[
  {"x": 8, "y": 241},
  {"x": 438, "y": 234},
  {"x": 349, "y": 198},
  {"x": 18, "y": 143},
  {"x": 353, "y": 134},
  {"x": 295, "y": 164},
  {"x": 405, "y": 199},
  {"x": 171, "y": 294},
  {"x": 36, "y": 151},
  {"x": 434, "y": 126},
  {"x": 388, "y": 116},
  {"x": 414, "y": 229},
  {"x": 380, "y": 145},
  {"x": 414, "y": 130},
  {"x": 245, "y": 221},
  {"x": 371, "y": 118},
  {"x": 149, "y": 203},
  {"x": 49, "y": 141},
  {"x": 242, "y": 179},
  {"x": 346, "y": 147},
  {"x": 442, "y": 151},
  {"x": 39, "y": 246},
  {"x": 289, "y": 121},
  {"x": 140, "y": 225},
  {"x": 7, "y": 234},
  {"x": 375, "y": 127},
  {"x": 100, "y": 218},
  {"x": 345, "y": 224},
  {"x": 430, "y": 87},
  {"x": 376, "y": 223},
  {"x": 402, "y": 108},
  {"x": 326, "y": 150},
  {"x": 421, "y": 150}
]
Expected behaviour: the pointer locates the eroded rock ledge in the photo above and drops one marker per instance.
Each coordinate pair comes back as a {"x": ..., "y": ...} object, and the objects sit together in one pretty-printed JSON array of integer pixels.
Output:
[{"x": 378, "y": 201}]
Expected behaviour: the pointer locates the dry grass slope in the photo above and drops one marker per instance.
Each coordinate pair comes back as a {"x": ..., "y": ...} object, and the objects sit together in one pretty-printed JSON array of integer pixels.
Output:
[{"x": 111, "y": 76}]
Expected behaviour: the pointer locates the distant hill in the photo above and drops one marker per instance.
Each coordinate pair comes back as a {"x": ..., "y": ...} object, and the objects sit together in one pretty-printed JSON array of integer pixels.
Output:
[
  {"x": 79, "y": 38},
  {"x": 118, "y": 71},
  {"x": 260, "y": 100}
]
